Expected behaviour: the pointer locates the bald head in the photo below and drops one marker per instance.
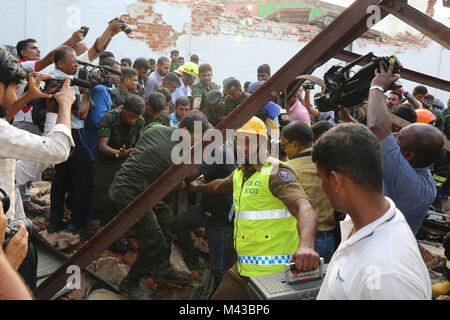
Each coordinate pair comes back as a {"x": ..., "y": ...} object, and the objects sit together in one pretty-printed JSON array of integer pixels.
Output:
[{"x": 421, "y": 144}]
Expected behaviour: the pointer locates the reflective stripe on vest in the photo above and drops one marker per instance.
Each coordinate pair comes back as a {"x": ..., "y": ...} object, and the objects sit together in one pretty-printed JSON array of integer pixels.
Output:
[
  {"x": 265, "y": 260},
  {"x": 448, "y": 264},
  {"x": 439, "y": 178},
  {"x": 263, "y": 215}
]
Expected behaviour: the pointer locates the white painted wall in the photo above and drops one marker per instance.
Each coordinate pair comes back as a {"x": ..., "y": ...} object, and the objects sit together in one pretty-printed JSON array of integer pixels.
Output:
[{"x": 51, "y": 22}]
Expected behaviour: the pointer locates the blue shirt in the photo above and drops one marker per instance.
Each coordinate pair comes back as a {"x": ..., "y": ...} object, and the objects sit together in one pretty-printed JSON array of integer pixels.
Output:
[
  {"x": 411, "y": 189},
  {"x": 102, "y": 99}
]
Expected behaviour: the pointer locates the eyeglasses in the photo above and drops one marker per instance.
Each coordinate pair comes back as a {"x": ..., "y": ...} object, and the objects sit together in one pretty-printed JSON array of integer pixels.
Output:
[{"x": 283, "y": 146}]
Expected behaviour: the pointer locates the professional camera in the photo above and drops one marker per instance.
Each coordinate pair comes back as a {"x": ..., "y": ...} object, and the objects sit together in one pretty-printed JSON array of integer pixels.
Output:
[
  {"x": 308, "y": 86},
  {"x": 125, "y": 28},
  {"x": 97, "y": 74},
  {"x": 351, "y": 91},
  {"x": 85, "y": 31},
  {"x": 12, "y": 227},
  {"x": 53, "y": 86}
]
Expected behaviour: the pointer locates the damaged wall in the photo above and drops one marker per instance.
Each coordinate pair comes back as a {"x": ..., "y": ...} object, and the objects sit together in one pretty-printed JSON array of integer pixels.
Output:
[{"x": 234, "y": 45}]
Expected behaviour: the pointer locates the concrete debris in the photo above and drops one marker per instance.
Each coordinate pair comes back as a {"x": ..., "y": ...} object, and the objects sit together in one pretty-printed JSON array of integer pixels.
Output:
[
  {"x": 442, "y": 298},
  {"x": 433, "y": 256},
  {"x": 128, "y": 258},
  {"x": 103, "y": 294},
  {"x": 177, "y": 262},
  {"x": 111, "y": 269}
]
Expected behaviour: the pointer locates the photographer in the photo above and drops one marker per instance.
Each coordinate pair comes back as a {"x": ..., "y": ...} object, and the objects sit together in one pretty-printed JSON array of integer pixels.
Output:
[
  {"x": 406, "y": 175},
  {"x": 20, "y": 144},
  {"x": 73, "y": 173}
]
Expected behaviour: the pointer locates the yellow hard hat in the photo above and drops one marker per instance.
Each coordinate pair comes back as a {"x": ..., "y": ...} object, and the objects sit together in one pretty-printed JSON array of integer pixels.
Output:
[
  {"x": 255, "y": 126},
  {"x": 190, "y": 68}
]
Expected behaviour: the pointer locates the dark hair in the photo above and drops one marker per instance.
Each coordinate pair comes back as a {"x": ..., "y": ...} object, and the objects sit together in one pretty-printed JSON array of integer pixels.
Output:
[
  {"x": 234, "y": 83},
  {"x": 171, "y": 77},
  {"x": 156, "y": 101},
  {"x": 226, "y": 81},
  {"x": 22, "y": 45},
  {"x": 264, "y": 68},
  {"x": 11, "y": 71},
  {"x": 298, "y": 131},
  {"x": 204, "y": 67},
  {"x": 320, "y": 127},
  {"x": 166, "y": 92},
  {"x": 174, "y": 52},
  {"x": 134, "y": 103},
  {"x": 429, "y": 97},
  {"x": 247, "y": 84},
  {"x": 189, "y": 120},
  {"x": 106, "y": 54},
  {"x": 141, "y": 63},
  {"x": 61, "y": 53},
  {"x": 161, "y": 60},
  {"x": 194, "y": 57},
  {"x": 420, "y": 89},
  {"x": 352, "y": 150},
  {"x": 128, "y": 73},
  {"x": 398, "y": 94},
  {"x": 406, "y": 112},
  {"x": 184, "y": 101},
  {"x": 152, "y": 61},
  {"x": 110, "y": 62},
  {"x": 181, "y": 58},
  {"x": 127, "y": 60}
]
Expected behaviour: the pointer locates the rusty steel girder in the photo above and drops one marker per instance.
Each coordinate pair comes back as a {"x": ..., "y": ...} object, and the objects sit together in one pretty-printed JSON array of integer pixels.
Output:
[{"x": 347, "y": 27}]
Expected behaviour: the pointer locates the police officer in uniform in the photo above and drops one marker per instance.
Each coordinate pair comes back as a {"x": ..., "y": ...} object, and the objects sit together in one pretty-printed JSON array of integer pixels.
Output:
[{"x": 274, "y": 222}]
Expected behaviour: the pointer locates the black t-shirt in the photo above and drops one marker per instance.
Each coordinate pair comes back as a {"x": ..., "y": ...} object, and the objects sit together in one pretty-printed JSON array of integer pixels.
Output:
[{"x": 218, "y": 204}]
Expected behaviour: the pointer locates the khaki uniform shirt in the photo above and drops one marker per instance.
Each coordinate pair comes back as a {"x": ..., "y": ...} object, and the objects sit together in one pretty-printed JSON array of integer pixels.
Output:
[{"x": 306, "y": 171}]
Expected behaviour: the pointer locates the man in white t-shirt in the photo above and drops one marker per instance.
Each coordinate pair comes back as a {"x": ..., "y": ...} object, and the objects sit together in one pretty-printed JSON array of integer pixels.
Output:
[{"x": 378, "y": 257}]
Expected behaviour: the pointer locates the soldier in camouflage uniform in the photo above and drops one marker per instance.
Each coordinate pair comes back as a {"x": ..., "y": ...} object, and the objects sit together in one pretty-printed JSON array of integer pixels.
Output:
[
  {"x": 118, "y": 134},
  {"x": 200, "y": 89},
  {"x": 128, "y": 84},
  {"x": 141, "y": 65},
  {"x": 150, "y": 159},
  {"x": 235, "y": 96}
]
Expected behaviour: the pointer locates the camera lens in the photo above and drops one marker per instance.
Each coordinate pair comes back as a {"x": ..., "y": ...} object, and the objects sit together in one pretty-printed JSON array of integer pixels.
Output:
[{"x": 4, "y": 198}]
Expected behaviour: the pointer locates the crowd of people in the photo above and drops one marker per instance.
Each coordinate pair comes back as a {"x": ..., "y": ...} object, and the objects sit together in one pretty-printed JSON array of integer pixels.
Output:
[{"x": 346, "y": 185}]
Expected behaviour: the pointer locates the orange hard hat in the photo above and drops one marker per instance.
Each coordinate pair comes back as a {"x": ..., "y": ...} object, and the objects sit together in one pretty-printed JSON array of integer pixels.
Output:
[{"x": 425, "y": 116}]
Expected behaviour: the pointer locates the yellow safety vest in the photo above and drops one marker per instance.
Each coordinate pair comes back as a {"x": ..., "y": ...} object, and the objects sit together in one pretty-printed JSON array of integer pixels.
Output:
[{"x": 265, "y": 233}]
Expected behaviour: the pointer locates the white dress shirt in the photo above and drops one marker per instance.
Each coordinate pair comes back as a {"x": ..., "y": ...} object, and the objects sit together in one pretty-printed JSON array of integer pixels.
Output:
[{"x": 22, "y": 145}]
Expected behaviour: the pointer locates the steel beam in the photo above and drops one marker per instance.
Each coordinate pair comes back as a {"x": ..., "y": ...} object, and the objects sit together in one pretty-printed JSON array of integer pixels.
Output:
[
  {"x": 407, "y": 74},
  {"x": 420, "y": 21}
]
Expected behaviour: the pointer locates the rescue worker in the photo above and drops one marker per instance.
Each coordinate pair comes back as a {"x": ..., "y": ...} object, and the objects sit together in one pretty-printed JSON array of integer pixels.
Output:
[
  {"x": 189, "y": 72},
  {"x": 274, "y": 221},
  {"x": 150, "y": 159}
]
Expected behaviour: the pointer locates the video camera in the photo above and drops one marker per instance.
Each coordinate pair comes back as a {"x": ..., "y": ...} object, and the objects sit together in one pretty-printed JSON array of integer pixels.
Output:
[
  {"x": 97, "y": 75},
  {"x": 352, "y": 91},
  {"x": 12, "y": 227}
]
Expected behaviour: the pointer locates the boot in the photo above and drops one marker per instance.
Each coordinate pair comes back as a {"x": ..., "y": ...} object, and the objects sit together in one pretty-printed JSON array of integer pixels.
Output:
[
  {"x": 168, "y": 274},
  {"x": 130, "y": 287}
]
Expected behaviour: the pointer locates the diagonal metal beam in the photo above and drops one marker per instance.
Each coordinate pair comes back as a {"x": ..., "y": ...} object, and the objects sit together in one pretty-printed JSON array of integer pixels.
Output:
[
  {"x": 407, "y": 74},
  {"x": 350, "y": 25},
  {"x": 425, "y": 24}
]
